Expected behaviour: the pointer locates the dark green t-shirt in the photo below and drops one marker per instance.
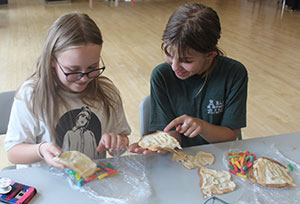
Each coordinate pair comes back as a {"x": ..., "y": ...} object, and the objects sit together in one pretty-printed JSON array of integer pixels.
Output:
[{"x": 222, "y": 100}]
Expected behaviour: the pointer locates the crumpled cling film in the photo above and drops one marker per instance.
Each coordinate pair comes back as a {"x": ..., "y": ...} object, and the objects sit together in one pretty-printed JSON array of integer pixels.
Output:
[
  {"x": 129, "y": 186},
  {"x": 258, "y": 194}
]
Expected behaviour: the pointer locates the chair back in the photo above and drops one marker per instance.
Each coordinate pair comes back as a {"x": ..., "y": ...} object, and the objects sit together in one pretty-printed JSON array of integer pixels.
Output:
[
  {"x": 239, "y": 137},
  {"x": 6, "y": 101},
  {"x": 144, "y": 112}
]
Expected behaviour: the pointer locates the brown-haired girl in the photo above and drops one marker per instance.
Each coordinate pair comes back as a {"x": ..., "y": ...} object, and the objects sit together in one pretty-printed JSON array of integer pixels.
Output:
[{"x": 198, "y": 96}]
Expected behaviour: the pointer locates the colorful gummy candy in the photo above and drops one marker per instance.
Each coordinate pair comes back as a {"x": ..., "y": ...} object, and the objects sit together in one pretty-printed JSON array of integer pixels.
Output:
[
  {"x": 290, "y": 167},
  {"x": 240, "y": 162},
  {"x": 108, "y": 170}
]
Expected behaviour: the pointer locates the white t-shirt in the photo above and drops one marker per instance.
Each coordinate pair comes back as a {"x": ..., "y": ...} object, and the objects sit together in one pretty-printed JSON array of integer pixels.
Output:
[{"x": 79, "y": 128}]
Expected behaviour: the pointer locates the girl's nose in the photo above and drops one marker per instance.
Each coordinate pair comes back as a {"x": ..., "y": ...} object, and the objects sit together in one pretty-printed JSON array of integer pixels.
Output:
[
  {"x": 175, "y": 64},
  {"x": 84, "y": 78}
]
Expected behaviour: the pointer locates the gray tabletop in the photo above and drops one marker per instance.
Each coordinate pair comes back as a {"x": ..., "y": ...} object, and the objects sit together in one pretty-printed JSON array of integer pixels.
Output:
[{"x": 170, "y": 182}]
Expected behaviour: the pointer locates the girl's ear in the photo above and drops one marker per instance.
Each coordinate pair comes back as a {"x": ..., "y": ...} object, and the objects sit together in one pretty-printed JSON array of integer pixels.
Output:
[
  {"x": 53, "y": 64},
  {"x": 212, "y": 54}
]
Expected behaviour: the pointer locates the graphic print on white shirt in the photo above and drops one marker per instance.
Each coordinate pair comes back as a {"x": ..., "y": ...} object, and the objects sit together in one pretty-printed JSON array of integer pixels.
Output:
[
  {"x": 215, "y": 107},
  {"x": 80, "y": 130}
]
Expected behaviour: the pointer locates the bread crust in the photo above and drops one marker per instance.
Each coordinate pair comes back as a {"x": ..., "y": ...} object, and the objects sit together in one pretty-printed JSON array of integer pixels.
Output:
[
  {"x": 258, "y": 168},
  {"x": 201, "y": 182}
]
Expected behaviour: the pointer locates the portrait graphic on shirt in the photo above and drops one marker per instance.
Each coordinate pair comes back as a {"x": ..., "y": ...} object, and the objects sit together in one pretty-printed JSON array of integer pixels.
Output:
[{"x": 80, "y": 130}]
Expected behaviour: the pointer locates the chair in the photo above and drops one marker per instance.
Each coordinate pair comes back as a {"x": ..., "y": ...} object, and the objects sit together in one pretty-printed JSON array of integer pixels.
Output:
[
  {"x": 239, "y": 137},
  {"x": 145, "y": 117},
  {"x": 6, "y": 101}
]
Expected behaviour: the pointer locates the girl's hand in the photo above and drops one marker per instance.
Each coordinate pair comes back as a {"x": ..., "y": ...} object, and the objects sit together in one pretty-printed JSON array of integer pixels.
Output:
[
  {"x": 50, "y": 150},
  {"x": 113, "y": 142},
  {"x": 187, "y": 125},
  {"x": 135, "y": 148}
]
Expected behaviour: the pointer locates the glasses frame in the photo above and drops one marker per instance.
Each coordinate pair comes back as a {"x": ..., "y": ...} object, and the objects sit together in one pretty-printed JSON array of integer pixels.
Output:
[
  {"x": 214, "y": 199},
  {"x": 81, "y": 74}
]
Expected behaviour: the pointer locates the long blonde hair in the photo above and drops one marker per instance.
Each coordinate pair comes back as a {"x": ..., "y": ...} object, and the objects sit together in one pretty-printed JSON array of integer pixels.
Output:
[{"x": 68, "y": 31}]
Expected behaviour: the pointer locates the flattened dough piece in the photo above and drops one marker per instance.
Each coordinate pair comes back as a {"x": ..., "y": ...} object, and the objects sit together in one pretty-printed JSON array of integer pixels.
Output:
[
  {"x": 199, "y": 160},
  {"x": 159, "y": 140},
  {"x": 215, "y": 182},
  {"x": 78, "y": 162}
]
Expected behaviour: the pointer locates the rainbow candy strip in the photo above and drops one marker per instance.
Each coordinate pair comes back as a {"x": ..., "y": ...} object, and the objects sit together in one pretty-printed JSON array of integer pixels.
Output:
[
  {"x": 240, "y": 162},
  {"x": 107, "y": 170}
]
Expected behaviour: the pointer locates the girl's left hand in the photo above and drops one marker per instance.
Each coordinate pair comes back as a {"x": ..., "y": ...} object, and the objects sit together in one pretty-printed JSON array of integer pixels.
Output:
[
  {"x": 113, "y": 142},
  {"x": 135, "y": 148},
  {"x": 48, "y": 151},
  {"x": 187, "y": 125}
]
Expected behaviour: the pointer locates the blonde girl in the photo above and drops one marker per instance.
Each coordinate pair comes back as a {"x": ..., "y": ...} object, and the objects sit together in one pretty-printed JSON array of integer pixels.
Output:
[{"x": 67, "y": 80}]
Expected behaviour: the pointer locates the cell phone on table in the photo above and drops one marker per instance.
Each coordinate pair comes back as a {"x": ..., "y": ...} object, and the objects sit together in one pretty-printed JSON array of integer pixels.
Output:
[{"x": 19, "y": 193}]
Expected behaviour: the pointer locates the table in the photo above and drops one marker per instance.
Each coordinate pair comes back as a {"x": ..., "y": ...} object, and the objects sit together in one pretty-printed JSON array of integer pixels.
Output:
[{"x": 170, "y": 181}]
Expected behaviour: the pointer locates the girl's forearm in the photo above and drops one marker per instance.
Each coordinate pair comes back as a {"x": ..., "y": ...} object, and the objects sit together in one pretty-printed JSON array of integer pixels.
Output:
[
  {"x": 24, "y": 154},
  {"x": 213, "y": 133}
]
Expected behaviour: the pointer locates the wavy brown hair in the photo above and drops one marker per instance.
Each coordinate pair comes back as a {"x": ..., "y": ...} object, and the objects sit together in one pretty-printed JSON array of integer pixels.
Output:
[{"x": 193, "y": 26}]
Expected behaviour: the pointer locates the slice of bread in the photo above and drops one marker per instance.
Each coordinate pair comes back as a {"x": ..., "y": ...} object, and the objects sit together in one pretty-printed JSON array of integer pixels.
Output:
[
  {"x": 199, "y": 160},
  {"x": 159, "y": 140},
  {"x": 78, "y": 162},
  {"x": 270, "y": 173},
  {"x": 215, "y": 182}
]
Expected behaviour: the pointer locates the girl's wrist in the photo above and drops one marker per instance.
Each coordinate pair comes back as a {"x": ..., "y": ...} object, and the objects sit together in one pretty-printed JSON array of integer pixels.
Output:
[{"x": 38, "y": 150}]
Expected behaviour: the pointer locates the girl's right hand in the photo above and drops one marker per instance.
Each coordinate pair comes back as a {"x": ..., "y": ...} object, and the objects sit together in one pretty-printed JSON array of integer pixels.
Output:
[
  {"x": 49, "y": 150},
  {"x": 187, "y": 125}
]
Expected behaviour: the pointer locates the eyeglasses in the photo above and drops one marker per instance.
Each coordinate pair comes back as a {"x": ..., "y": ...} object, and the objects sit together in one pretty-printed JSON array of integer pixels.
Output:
[
  {"x": 76, "y": 76},
  {"x": 215, "y": 200}
]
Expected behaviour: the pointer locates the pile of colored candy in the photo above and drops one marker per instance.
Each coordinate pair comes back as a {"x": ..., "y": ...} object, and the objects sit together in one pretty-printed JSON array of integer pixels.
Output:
[
  {"x": 240, "y": 162},
  {"x": 101, "y": 172}
]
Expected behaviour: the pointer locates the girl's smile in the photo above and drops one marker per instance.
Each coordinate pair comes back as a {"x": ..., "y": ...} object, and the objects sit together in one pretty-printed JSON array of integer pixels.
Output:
[{"x": 182, "y": 73}]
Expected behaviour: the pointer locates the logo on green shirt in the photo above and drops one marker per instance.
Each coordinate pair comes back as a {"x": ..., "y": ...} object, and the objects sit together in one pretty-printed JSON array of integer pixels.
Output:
[{"x": 215, "y": 107}]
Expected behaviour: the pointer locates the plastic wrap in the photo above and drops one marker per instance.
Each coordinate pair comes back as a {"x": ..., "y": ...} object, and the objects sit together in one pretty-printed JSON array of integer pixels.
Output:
[
  {"x": 129, "y": 186},
  {"x": 256, "y": 194}
]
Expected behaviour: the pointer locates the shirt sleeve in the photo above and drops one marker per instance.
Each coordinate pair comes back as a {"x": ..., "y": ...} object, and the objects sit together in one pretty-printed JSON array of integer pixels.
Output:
[
  {"x": 22, "y": 125},
  {"x": 236, "y": 99},
  {"x": 161, "y": 113}
]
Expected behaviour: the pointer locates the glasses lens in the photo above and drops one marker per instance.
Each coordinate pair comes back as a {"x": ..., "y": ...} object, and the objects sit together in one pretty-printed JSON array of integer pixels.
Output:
[
  {"x": 95, "y": 73},
  {"x": 73, "y": 77}
]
